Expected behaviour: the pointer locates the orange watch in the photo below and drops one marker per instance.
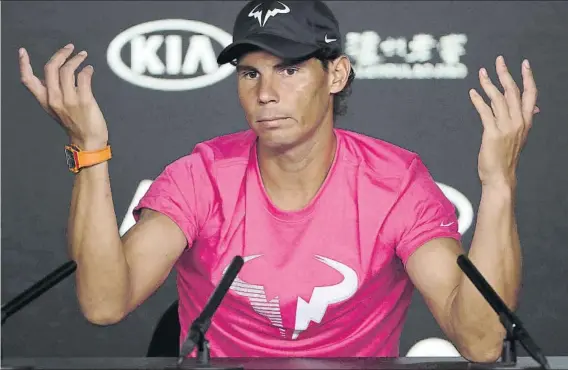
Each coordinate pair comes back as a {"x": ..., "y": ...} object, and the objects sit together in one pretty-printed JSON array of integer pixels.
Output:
[{"x": 77, "y": 158}]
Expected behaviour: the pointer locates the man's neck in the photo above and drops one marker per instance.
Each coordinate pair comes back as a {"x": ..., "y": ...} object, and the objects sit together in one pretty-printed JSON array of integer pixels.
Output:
[{"x": 293, "y": 178}]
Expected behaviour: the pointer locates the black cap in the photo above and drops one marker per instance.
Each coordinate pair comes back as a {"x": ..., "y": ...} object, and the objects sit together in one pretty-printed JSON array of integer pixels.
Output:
[{"x": 287, "y": 29}]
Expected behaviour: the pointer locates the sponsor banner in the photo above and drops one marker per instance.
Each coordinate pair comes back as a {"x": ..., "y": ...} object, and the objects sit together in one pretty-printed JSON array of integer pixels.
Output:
[
  {"x": 422, "y": 56},
  {"x": 169, "y": 55}
]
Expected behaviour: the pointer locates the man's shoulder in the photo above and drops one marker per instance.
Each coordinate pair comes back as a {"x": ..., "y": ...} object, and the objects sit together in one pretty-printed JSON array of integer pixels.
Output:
[
  {"x": 381, "y": 157},
  {"x": 233, "y": 148}
]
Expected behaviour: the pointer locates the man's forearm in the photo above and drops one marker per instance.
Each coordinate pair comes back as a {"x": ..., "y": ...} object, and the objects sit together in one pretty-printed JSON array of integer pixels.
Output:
[
  {"x": 95, "y": 245},
  {"x": 495, "y": 251}
]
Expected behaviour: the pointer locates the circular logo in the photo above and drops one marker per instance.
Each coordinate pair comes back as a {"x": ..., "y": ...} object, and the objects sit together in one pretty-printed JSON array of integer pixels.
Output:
[
  {"x": 462, "y": 204},
  {"x": 161, "y": 57}
]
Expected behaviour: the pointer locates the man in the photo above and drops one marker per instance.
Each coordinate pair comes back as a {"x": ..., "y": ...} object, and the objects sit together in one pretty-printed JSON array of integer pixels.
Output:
[{"x": 336, "y": 228}]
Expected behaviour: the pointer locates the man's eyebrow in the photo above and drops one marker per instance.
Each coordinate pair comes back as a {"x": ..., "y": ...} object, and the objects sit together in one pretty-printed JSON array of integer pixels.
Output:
[
  {"x": 281, "y": 65},
  {"x": 286, "y": 64},
  {"x": 244, "y": 67}
]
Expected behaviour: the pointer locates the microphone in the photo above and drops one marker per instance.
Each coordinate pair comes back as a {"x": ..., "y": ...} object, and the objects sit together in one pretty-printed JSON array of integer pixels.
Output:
[
  {"x": 36, "y": 290},
  {"x": 196, "y": 335},
  {"x": 514, "y": 326}
]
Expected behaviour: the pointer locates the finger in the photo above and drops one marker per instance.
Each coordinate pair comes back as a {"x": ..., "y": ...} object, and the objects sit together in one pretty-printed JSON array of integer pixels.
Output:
[
  {"x": 530, "y": 92},
  {"x": 32, "y": 83},
  {"x": 67, "y": 76},
  {"x": 52, "y": 75},
  {"x": 84, "y": 84},
  {"x": 501, "y": 110},
  {"x": 512, "y": 92},
  {"x": 485, "y": 112}
]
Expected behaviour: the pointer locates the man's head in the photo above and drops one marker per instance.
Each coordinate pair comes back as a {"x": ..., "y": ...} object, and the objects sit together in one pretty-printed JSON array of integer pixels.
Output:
[{"x": 290, "y": 67}]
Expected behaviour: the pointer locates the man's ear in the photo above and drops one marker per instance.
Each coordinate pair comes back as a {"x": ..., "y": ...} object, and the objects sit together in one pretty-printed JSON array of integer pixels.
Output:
[{"x": 339, "y": 70}]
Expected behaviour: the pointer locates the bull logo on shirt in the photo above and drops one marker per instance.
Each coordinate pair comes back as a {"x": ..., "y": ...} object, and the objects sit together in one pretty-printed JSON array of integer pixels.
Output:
[{"x": 312, "y": 310}]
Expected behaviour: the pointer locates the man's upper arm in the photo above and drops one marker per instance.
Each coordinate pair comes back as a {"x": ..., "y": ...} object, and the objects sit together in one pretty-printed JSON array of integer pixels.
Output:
[
  {"x": 169, "y": 217},
  {"x": 427, "y": 241},
  {"x": 152, "y": 247},
  {"x": 434, "y": 272}
]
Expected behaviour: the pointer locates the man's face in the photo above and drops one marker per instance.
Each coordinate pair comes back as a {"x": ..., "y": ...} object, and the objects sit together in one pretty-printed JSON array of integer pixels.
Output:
[{"x": 283, "y": 104}]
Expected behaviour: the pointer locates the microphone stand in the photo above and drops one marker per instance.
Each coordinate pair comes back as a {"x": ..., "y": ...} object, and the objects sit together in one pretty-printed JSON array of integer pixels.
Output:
[
  {"x": 36, "y": 290},
  {"x": 196, "y": 336},
  {"x": 513, "y": 325}
]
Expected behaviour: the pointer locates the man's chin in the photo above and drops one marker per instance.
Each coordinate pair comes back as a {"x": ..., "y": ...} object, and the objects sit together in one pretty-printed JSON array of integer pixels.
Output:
[{"x": 277, "y": 141}]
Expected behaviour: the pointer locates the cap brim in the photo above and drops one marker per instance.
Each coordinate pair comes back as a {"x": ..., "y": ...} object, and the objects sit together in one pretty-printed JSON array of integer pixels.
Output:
[{"x": 278, "y": 46}]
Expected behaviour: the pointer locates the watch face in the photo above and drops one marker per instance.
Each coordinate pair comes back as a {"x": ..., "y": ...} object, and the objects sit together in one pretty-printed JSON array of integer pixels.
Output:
[{"x": 70, "y": 158}]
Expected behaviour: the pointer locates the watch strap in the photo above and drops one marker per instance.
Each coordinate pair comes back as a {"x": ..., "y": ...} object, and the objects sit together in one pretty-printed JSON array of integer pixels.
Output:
[{"x": 90, "y": 158}]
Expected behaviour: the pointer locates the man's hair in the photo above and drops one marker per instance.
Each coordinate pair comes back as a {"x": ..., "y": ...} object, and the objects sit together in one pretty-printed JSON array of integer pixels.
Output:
[{"x": 339, "y": 99}]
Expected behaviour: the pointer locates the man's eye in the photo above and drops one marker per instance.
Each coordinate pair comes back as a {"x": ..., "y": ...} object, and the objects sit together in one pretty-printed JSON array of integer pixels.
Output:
[
  {"x": 250, "y": 74},
  {"x": 290, "y": 71}
]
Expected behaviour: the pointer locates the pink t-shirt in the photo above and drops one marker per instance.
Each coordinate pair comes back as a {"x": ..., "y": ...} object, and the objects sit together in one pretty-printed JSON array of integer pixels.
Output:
[{"x": 325, "y": 281}]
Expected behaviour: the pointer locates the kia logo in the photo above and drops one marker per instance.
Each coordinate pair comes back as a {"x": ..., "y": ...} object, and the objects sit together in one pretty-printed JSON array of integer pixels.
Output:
[{"x": 161, "y": 58}]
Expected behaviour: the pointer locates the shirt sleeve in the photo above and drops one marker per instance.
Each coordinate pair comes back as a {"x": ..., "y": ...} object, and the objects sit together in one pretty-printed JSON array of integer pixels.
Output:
[
  {"x": 422, "y": 212},
  {"x": 174, "y": 194}
]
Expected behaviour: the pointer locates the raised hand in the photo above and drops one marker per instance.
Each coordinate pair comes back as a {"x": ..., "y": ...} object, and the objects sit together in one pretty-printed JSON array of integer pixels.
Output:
[
  {"x": 506, "y": 123},
  {"x": 66, "y": 98}
]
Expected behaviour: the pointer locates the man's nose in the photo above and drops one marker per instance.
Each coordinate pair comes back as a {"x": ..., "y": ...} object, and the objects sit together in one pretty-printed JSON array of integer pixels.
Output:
[{"x": 268, "y": 90}]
